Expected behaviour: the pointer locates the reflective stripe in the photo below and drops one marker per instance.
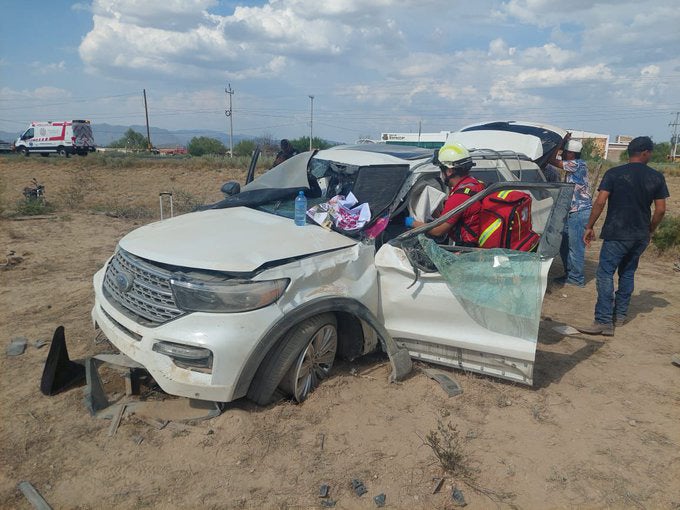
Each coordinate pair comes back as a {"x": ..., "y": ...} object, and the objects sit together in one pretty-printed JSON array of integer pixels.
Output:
[
  {"x": 504, "y": 194},
  {"x": 488, "y": 231}
]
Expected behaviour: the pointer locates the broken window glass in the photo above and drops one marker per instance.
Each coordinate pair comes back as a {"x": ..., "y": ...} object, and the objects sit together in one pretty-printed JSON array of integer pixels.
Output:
[{"x": 500, "y": 289}]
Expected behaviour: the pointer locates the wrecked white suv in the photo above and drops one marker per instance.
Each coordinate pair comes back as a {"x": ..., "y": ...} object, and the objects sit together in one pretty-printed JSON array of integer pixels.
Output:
[{"x": 237, "y": 300}]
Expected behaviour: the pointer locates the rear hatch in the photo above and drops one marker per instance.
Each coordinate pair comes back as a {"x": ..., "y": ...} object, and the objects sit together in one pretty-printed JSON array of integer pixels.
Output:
[
  {"x": 537, "y": 141},
  {"x": 82, "y": 133}
]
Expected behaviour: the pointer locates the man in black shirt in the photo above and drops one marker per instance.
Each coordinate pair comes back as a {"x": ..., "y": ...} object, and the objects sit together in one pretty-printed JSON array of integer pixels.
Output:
[
  {"x": 287, "y": 151},
  {"x": 630, "y": 190}
]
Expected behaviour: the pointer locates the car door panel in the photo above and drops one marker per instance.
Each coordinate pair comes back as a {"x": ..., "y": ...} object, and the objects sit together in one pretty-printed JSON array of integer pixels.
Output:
[{"x": 475, "y": 309}]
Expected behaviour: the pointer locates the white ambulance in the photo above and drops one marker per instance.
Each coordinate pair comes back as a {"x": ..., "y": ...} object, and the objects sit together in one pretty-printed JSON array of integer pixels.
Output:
[{"x": 63, "y": 137}]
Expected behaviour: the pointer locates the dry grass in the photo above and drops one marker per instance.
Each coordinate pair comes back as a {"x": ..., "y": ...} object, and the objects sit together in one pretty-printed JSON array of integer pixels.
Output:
[{"x": 447, "y": 446}]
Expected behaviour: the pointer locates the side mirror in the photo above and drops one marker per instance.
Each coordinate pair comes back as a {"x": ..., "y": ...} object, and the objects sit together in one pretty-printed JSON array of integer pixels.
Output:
[{"x": 230, "y": 188}]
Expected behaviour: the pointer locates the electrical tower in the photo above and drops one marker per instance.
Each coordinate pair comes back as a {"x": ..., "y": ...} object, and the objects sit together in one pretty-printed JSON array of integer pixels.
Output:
[
  {"x": 228, "y": 113},
  {"x": 674, "y": 140}
]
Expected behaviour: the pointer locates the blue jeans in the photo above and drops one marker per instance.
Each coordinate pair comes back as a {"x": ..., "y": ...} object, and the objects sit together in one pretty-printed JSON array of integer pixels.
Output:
[
  {"x": 623, "y": 256},
  {"x": 573, "y": 249}
]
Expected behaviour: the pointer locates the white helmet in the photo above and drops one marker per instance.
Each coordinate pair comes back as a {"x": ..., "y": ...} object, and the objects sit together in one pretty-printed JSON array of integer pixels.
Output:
[
  {"x": 573, "y": 146},
  {"x": 454, "y": 155}
]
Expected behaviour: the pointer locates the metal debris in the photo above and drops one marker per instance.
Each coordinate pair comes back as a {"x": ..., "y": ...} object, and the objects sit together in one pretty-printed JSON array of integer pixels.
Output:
[
  {"x": 324, "y": 490},
  {"x": 115, "y": 421},
  {"x": 457, "y": 497},
  {"x": 359, "y": 487},
  {"x": 33, "y": 496},
  {"x": 17, "y": 346},
  {"x": 451, "y": 387},
  {"x": 438, "y": 482},
  {"x": 379, "y": 500}
]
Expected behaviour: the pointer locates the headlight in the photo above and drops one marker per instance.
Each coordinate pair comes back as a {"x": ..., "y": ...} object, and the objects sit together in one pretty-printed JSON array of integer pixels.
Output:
[{"x": 228, "y": 296}]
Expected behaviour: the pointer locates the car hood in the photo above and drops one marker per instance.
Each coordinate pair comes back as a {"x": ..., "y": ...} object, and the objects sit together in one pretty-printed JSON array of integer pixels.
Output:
[{"x": 235, "y": 240}]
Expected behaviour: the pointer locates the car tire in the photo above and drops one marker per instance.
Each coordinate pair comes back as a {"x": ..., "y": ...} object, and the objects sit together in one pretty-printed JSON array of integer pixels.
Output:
[
  {"x": 24, "y": 151},
  {"x": 292, "y": 368},
  {"x": 315, "y": 361},
  {"x": 62, "y": 152}
]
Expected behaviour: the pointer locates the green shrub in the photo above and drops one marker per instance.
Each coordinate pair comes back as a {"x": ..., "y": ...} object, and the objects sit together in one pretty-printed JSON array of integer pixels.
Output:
[
  {"x": 34, "y": 207},
  {"x": 244, "y": 148},
  {"x": 201, "y": 145},
  {"x": 667, "y": 234}
]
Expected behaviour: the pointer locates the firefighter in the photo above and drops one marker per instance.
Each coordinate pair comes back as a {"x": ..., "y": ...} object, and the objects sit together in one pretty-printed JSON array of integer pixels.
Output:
[{"x": 462, "y": 228}]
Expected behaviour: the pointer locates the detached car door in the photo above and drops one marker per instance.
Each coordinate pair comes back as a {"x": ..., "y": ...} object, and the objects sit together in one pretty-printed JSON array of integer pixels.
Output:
[{"x": 471, "y": 308}]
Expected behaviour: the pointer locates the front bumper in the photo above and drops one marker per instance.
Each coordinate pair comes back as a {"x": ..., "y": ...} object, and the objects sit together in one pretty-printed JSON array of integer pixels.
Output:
[{"x": 230, "y": 337}]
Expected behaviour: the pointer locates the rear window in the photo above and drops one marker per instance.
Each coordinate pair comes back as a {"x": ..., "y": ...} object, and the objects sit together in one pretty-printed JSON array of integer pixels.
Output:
[
  {"x": 529, "y": 175},
  {"x": 488, "y": 177}
]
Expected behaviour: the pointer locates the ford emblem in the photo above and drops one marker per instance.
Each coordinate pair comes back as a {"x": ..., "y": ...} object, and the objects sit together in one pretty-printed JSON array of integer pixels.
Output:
[{"x": 124, "y": 281}]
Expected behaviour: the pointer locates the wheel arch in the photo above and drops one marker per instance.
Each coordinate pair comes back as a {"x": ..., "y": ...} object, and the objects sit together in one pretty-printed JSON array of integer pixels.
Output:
[{"x": 349, "y": 314}]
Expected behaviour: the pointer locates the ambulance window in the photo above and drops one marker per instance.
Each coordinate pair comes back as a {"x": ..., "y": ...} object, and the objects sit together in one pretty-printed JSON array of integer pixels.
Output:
[{"x": 28, "y": 134}]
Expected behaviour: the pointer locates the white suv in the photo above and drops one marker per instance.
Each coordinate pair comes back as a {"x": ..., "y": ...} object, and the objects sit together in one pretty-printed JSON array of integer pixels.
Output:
[{"x": 238, "y": 301}]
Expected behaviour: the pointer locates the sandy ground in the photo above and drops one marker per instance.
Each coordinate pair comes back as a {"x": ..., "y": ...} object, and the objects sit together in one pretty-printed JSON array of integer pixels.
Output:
[{"x": 599, "y": 429}]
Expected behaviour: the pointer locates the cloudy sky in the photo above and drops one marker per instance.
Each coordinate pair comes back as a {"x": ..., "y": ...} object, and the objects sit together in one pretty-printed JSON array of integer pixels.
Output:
[{"x": 372, "y": 66}]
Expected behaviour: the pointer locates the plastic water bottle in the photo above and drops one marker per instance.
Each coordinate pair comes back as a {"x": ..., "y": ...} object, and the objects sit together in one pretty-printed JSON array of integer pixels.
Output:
[{"x": 301, "y": 209}]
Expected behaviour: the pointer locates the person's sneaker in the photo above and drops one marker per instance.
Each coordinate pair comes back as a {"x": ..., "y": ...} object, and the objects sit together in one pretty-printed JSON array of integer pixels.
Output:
[
  {"x": 597, "y": 328},
  {"x": 574, "y": 284},
  {"x": 560, "y": 280},
  {"x": 618, "y": 322}
]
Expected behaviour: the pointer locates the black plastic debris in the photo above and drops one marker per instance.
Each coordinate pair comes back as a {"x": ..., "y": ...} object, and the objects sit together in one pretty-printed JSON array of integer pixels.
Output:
[
  {"x": 17, "y": 346},
  {"x": 437, "y": 485},
  {"x": 60, "y": 373},
  {"x": 379, "y": 500},
  {"x": 95, "y": 396},
  {"x": 328, "y": 503},
  {"x": 324, "y": 490},
  {"x": 359, "y": 487},
  {"x": 457, "y": 497}
]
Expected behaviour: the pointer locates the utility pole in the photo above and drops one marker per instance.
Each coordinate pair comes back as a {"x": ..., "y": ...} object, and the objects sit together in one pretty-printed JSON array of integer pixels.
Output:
[
  {"x": 674, "y": 140},
  {"x": 148, "y": 135},
  {"x": 311, "y": 121},
  {"x": 228, "y": 113}
]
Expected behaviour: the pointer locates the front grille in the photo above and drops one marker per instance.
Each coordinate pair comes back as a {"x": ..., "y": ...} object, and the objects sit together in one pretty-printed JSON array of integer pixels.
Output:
[{"x": 140, "y": 290}]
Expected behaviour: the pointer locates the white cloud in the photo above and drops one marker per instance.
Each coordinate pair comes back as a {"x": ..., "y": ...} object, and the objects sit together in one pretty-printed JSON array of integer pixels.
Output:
[
  {"x": 49, "y": 68},
  {"x": 538, "y": 78},
  {"x": 402, "y": 59},
  {"x": 38, "y": 93},
  {"x": 651, "y": 70},
  {"x": 81, "y": 7}
]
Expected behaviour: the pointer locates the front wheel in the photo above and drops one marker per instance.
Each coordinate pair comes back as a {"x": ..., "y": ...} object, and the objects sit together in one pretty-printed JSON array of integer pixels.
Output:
[
  {"x": 24, "y": 151},
  {"x": 63, "y": 152},
  {"x": 315, "y": 361},
  {"x": 298, "y": 363}
]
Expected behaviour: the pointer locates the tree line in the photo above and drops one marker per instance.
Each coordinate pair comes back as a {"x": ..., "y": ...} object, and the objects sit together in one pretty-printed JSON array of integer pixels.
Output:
[{"x": 204, "y": 145}]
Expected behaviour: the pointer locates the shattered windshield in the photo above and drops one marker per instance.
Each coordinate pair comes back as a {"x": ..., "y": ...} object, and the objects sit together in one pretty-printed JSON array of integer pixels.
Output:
[{"x": 275, "y": 190}]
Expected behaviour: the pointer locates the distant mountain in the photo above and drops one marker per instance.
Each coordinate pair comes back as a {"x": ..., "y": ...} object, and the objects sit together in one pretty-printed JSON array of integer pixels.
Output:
[
  {"x": 6, "y": 136},
  {"x": 104, "y": 134}
]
